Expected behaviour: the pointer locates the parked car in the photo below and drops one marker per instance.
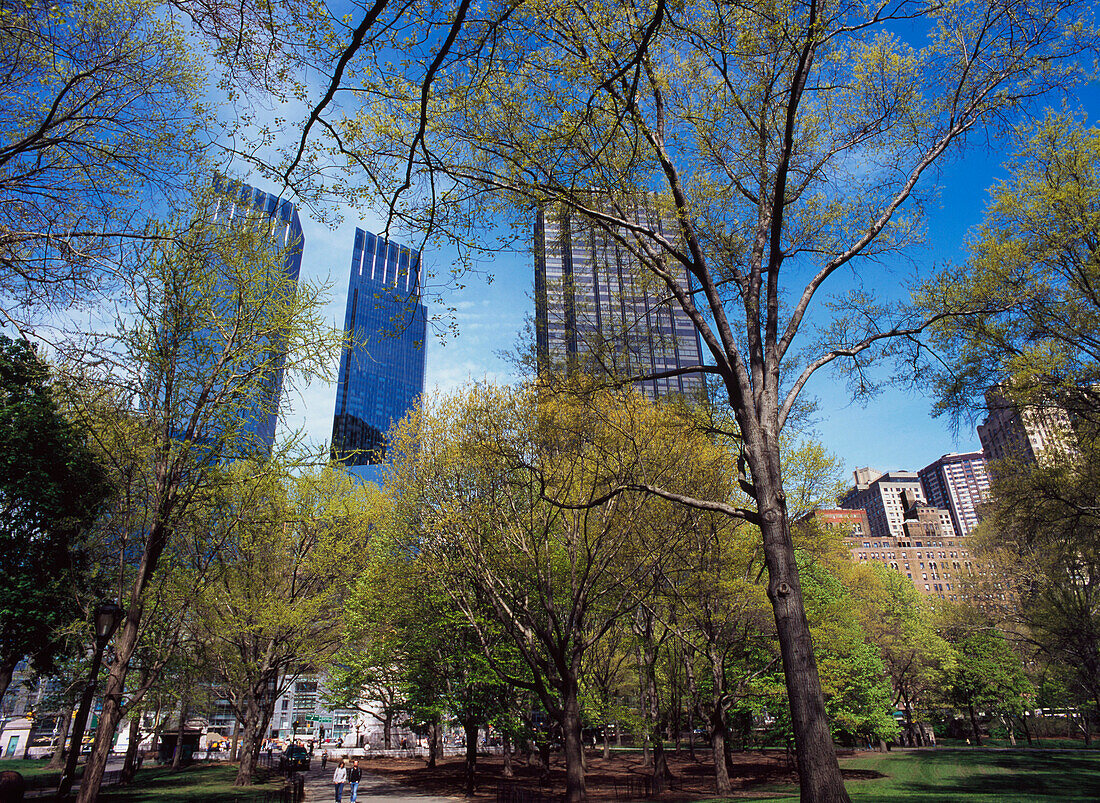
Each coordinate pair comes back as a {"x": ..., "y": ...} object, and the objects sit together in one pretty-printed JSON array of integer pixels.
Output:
[{"x": 296, "y": 757}]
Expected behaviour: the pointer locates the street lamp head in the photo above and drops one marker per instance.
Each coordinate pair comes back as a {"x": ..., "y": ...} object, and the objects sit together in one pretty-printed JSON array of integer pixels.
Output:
[{"x": 106, "y": 618}]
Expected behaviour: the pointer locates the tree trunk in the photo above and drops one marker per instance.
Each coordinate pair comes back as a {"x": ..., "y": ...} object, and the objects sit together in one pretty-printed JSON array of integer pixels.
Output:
[
  {"x": 58, "y": 759},
  {"x": 722, "y": 785},
  {"x": 974, "y": 724},
  {"x": 910, "y": 726},
  {"x": 1011, "y": 729},
  {"x": 691, "y": 735},
  {"x": 177, "y": 754},
  {"x": 250, "y": 742},
  {"x": 79, "y": 722},
  {"x": 7, "y": 669},
  {"x": 433, "y": 739},
  {"x": 606, "y": 743},
  {"x": 818, "y": 769},
  {"x": 575, "y": 791},
  {"x": 506, "y": 750},
  {"x": 235, "y": 744},
  {"x": 126, "y": 642},
  {"x": 470, "y": 726},
  {"x": 387, "y": 729},
  {"x": 1027, "y": 730},
  {"x": 129, "y": 764}
]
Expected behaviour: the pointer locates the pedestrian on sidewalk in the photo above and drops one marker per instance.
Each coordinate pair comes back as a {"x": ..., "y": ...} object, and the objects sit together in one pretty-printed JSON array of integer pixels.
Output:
[
  {"x": 355, "y": 775},
  {"x": 324, "y": 758},
  {"x": 339, "y": 778}
]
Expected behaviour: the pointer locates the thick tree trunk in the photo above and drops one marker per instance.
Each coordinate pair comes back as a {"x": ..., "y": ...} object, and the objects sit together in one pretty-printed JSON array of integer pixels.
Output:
[
  {"x": 57, "y": 761},
  {"x": 818, "y": 769},
  {"x": 722, "y": 785},
  {"x": 129, "y": 764},
  {"x": 387, "y": 730},
  {"x": 470, "y": 726},
  {"x": 433, "y": 741},
  {"x": 506, "y": 749},
  {"x": 109, "y": 717},
  {"x": 235, "y": 744},
  {"x": 185, "y": 712},
  {"x": 251, "y": 737},
  {"x": 974, "y": 724},
  {"x": 575, "y": 791},
  {"x": 606, "y": 743}
]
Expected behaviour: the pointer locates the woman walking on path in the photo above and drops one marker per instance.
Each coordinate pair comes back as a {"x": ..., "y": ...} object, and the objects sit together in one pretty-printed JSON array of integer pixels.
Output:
[{"x": 339, "y": 778}]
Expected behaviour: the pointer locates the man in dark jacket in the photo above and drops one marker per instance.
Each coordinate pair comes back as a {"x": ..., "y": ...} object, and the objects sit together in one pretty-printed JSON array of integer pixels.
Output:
[{"x": 355, "y": 775}]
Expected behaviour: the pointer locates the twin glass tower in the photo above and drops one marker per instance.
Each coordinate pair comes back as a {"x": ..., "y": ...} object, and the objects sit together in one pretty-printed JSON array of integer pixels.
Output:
[{"x": 382, "y": 365}]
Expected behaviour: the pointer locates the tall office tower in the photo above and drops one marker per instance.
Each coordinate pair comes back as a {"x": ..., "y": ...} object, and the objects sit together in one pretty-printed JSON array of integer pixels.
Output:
[
  {"x": 596, "y": 307},
  {"x": 1024, "y": 435},
  {"x": 382, "y": 367},
  {"x": 238, "y": 204},
  {"x": 881, "y": 496},
  {"x": 957, "y": 483}
]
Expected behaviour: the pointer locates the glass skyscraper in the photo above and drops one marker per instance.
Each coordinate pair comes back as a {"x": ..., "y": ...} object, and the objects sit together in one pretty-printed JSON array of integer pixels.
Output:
[
  {"x": 382, "y": 366},
  {"x": 596, "y": 307},
  {"x": 238, "y": 204}
]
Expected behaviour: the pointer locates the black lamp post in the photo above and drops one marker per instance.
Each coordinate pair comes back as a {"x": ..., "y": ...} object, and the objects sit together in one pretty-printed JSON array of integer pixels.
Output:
[{"x": 105, "y": 619}]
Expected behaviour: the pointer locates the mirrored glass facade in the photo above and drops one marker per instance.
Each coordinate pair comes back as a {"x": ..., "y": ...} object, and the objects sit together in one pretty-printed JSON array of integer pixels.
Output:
[
  {"x": 597, "y": 307},
  {"x": 239, "y": 204},
  {"x": 382, "y": 366}
]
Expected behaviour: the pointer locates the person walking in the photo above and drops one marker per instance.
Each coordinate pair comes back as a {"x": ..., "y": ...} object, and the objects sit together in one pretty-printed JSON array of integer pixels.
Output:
[
  {"x": 355, "y": 775},
  {"x": 324, "y": 758},
  {"x": 339, "y": 778}
]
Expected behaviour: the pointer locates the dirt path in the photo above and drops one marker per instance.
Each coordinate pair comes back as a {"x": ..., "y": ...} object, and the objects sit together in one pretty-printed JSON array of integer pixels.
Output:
[{"x": 372, "y": 790}]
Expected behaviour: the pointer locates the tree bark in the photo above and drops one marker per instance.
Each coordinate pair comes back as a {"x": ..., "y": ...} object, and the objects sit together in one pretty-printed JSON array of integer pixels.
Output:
[
  {"x": 722, "y": 785},
  {"x": 129, "y": 764},
  {"x": 820, "y": 780},
  {"x": 250, "y": 742},
  {"x": 974, "y": 724},
  {"x": 387, "y": 729},
  {"x": 506, "y": 750},
  {"x": 59, "y": 751},
  {"x": 185, "y": 706},
  {"x": 575, "y": 791},
  {"x": 470, "y": 726}
]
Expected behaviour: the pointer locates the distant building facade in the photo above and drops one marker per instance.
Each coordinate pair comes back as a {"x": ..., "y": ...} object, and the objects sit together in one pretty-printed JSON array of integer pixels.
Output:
[
  {"x": 881, "y": 496},
  {"x": 958, "y": 483},
  {"x": 596, "y": 306},
  {"x": 382, "y": 364},
  {"x": 1024, "y": 435},
  {"x": 238, "y": 204},
  {"x": 927, "y": 553}
]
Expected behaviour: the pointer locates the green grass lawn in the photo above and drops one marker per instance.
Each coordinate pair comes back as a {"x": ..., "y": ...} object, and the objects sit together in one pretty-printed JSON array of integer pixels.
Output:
[
  {"x": 191, "y": 785},
  {"x": 973, "y": 776},
  {"x": 29, "y": 768},
  {"x": 196, "y": 784}
]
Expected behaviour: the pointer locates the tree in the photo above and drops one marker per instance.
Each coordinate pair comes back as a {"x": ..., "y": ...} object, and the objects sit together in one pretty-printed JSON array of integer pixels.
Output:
[
  {"x": 1032, "y": 273},
  {"x": 1033, "y": 268},
  {"x": 294, "y": 547},
  {"x": 511, "y": 499},
  {"x": 98, "y": 117},
  {"x": 900, "y": 623},
  {"x": 987, "y": 674},
  {"x": 212, "y": 320},
  {"x": 783, "y": 143},
  {"x": 51, "y": 490}
]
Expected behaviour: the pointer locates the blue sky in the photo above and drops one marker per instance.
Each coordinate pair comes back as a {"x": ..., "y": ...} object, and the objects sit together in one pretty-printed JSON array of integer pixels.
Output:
[{"x": 894, "y": 430}]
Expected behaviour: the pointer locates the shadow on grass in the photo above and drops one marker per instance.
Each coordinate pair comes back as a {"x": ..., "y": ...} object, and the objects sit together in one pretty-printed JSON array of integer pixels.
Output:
[{"x": 978, "y": 775}]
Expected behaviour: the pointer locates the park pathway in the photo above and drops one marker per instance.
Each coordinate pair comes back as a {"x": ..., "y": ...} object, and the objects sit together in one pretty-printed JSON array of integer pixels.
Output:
[{"x": 373, "y": 789}]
